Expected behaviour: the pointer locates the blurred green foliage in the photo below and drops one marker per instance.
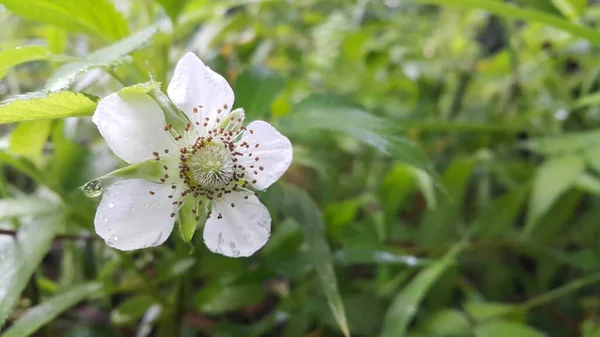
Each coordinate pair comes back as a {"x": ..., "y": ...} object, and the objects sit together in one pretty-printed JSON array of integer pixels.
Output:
[{"x": 445, "y": 179}]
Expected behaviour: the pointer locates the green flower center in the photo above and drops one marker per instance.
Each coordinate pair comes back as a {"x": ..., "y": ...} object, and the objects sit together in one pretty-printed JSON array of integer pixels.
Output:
[{"x": 210, "y": 167}]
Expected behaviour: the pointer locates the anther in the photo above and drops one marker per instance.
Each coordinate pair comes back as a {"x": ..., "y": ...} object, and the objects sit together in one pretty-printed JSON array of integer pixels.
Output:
[{"x": 172, "y": 215}]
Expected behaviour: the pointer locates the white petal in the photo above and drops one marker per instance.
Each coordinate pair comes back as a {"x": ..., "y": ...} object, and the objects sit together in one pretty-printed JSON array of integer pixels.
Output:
[
  {"x": 274, "y": 153},
  {"x": 132, "y": 125},
  {"x": 241, "y": 230},
  {"x": 196, "y": 86},
  {"x": 129, "y": 217}
]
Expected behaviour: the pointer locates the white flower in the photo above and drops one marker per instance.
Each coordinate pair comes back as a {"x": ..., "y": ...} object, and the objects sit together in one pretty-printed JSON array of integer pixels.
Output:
[{"x": 213, "y": 164}]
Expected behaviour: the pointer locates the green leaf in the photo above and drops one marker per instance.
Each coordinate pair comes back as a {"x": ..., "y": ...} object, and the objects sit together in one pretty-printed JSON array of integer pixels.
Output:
[
  {"x": 506, "y": 328},
  {"x": 46, "y": 312},
  {"x": 565, "y": 143},
  {"x": 28, "y": 139},
  {"x": 528, "y": 15},
  {"x": 131, "y": 309},
  {"x": 12, "y": 57},
  {"x": 218, "y": 299},
  {"x": 485, "y": 311},
  {"x": 296, "y": 203},
  {"x": 450, "y": 323},
  {"x": 23, "y": 206},
  {"x": 406, "y": 304},
  {"x": 255, "y": 90},
  {"x": 172, "y": 7},
  {"x": 555, "y": 176},
  {"x": 106, "y": 58},
  {"x": 97, "y": 17},
  {"x": 21, "y": 257},
  {"x": 335, "y": 113},
  {"x": 46, "y": 106},
  {"x": 440, "y": 225},
  {"x": 499, "y": 216}
]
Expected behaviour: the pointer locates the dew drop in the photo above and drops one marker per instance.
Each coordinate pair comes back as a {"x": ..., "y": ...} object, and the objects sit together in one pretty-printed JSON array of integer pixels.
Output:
[
  {"x": 93, "y": 189},
  {"x": 111, "y": 205}
]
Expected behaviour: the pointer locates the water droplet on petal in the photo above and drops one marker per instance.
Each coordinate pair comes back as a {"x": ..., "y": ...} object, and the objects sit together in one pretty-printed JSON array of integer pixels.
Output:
[
  {"x": 93, "y": 189},
  {"x": 111, "y": 205}
]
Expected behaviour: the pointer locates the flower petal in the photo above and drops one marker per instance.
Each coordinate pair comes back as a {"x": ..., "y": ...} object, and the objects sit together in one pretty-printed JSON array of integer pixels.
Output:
[
  {"x": 200, "y": 92},
  {"x": 237, "y": 226},
  {"x": 135, "y": 214},
  {"x": 268, "y": 151},
  {"x": 132, "y": 125}
]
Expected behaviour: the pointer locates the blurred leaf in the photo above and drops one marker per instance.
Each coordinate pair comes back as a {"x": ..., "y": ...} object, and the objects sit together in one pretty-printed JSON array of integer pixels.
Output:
[
  {"x": 24, "y": 206},
  {"x": 485, "y": 311},
  {"x": 352, "y": 256},
  {"x": 46, "y": 106},
  {"x": 12, "y": 57},
  {"x": 588, "y": 183},
  {"x": 218, "y": 299},
  {"x": 28, "y": 139},
  {"x": 255, "y": 90},
  {"x": 98, "y": 17},
  {"x": 38, "y": 316},
  {"x": 451, "y": 323},
  {"x": 567, "y": 9},
  {"x": 20, "y": 257},
  {"x": 528, "y": 15},
  {"x": 406, "y": 304},
  {"x": 500, "y": 216},
  {"x": 555, "y": 176},
  {"x": 173, "y": 7},
  {"x": 364, "y": 314},
  {"x": 565, "y": 143},
  {"x": 506, "y": 328},
  {"x": 24, "y": 166},
  {"x": 297, "y": 204},
  {"x": 66, "y": 170},
  {"x": 335, "y": 113},
  {"x": 400, "y": 182},
  {"x": 106, "y": 58},
  {"x": 440, "y": 225},
  {"x": 131, "y": 309}
]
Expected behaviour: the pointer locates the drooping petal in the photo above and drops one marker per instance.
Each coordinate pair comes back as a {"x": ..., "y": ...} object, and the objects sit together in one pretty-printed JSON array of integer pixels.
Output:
[
  {"x": 267, "y": 154},
  {"x": 133, "y": 126},
  {"x": 135, "y": 214},
  {"x": 200, "y": 93},
  {"x": 239, "y": 225}
]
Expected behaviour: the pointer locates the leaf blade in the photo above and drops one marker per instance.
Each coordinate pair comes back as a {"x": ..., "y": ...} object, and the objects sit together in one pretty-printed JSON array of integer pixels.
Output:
[
  {"x": 25, "y": 251},
  {"x": 39, "y": 315},
  {"x": 46, "y": 106},
  {"x": 405, "y": 304}
]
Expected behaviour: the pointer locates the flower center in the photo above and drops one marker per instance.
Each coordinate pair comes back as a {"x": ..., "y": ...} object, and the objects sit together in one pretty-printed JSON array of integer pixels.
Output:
[{"x": 210, "y": 167}]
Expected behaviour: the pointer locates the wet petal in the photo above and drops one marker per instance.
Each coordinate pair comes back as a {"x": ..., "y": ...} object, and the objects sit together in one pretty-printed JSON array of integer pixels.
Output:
[
  {"x": 133, "y": 126},
  {"x": 239, "y": 230},
  {"x": 267, "y": 155},
  {"x": 135, "y": 214},
  {"x": 200, "y": 93}
]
